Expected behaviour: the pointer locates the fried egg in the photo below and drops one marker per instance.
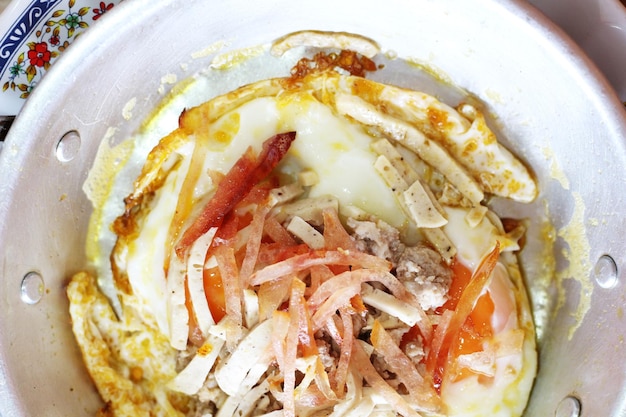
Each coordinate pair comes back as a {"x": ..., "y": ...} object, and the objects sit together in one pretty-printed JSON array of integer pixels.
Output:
[{"x": 397, "y": 169}]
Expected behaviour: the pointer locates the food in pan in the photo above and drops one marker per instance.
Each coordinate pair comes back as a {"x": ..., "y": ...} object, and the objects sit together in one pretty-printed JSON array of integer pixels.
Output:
[{"x": 319, "y": 244}]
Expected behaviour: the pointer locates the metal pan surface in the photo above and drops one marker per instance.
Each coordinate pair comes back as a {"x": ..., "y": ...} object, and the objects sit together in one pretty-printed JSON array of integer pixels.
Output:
[{"x": 547, "y": 100}]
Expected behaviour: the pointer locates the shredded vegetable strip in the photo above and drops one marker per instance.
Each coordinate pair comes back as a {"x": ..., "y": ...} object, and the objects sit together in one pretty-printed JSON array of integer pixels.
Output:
[
  {"x": 291, "y": 348},
  {"x": 432, "y": 364},
  {"x": 197, "y": 296},
  {"x": 280, "y": 326},
  {"x": 335, "y": 235},
  {"x": 333, "y": 330},
  {"x": 305, "y": 327},
  {"x": 322, "y": 381},
  {"x": 278, "y": 233},
  {"x": 341, "y": 373},
  {"x": 363, "y": 366},
  {"x": 322, "y": 257},
  {"x": 401, "y": 365},
  {"x": 349, "y": 279},
  {"x": 184, "y": 205},
  {"x": 272, "y": 294},
  {"x": 338, "y": 299},
  {"x": 254, "y": 242},
  {"x": 233, "y": 293},
  {"x": 319, "y": 275}
]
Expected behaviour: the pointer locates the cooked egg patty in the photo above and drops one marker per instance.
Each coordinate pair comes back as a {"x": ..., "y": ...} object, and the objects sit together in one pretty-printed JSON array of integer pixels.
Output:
[{"x": 363, "y": 273}]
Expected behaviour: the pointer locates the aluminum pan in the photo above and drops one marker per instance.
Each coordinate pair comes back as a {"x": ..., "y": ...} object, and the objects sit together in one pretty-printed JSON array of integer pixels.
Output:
[{"x": 548, "y": 97}]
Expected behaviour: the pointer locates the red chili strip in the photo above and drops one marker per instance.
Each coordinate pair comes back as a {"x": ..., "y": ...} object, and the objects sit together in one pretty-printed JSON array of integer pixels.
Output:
[{"x": 242, "y": 177}]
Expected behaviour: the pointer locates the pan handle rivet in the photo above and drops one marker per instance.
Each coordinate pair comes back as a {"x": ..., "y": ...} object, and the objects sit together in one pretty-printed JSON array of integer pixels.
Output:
[
  {"x": 568, "y": 407},
  {"x": 32, "y": 288},
  {"x": 68, "y": 146},
  {"x": 605, "y": 272}
]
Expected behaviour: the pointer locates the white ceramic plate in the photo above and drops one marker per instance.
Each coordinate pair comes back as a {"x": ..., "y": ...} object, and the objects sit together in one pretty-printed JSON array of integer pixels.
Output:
[{"x": 34, "y": 33}]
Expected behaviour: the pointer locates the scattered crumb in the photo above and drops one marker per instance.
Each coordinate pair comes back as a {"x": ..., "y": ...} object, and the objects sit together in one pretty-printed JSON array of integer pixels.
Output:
[
  {"x": 209, "y": 50},
  {"x": 127, "y": 111}
]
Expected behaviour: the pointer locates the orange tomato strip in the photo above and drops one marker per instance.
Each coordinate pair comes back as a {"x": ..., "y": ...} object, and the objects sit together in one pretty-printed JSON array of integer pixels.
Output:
[
  {"x": 476, "y": 328},
  {"x": 444, "y": 335},
  {"x": 214, "y": 293},
  {"x": 461, "y": 277}
]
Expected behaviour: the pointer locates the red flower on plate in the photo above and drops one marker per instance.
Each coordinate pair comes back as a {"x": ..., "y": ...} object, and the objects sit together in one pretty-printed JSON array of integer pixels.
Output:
[
  {"x": 102, "y": 10},
  {"x": 39, "y": 55}
]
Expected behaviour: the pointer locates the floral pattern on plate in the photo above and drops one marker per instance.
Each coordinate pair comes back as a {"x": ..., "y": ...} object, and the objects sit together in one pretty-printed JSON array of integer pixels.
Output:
[{"x": 38, "y": 36}]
